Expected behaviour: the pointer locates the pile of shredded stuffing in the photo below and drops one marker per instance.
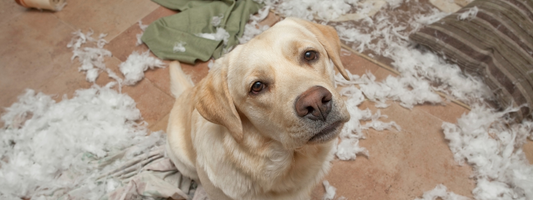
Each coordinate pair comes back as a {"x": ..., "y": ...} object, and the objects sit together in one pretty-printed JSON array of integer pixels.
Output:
[
  {"x": 92, "y": 59},
  {"x": 133, "y": 68},
  {"x": 53, "y": 150}
]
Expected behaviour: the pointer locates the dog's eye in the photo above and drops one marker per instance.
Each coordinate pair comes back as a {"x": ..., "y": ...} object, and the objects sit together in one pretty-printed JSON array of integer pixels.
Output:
[
  {"x": 310, "y": 55},
  {"x": 257, "y": 87}
]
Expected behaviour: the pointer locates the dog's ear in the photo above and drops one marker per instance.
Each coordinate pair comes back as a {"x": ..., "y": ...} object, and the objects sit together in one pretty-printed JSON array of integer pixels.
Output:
[
  {"x": 214, "y": 102},
  {"x": 328, "y": 37}
]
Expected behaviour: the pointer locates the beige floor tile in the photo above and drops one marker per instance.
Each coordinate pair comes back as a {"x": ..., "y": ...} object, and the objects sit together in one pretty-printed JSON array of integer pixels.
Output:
[
  {"x": 448, "y": 111},
  {"x": 72, "y": 79},
  {"x": 10, "y": 10},
  {"x": 197, "y": 72},
  {"x": 528, "y": 149},
  {"x": 161, "y": 77},
  {"x": 153, "y": 103},
  {"x": 402, "y": 164},
  {"x": 111, "y": 17},
  {"x": 32, "y": 52},
  {"x": 160, "y": 125},
  {"x": 382, "y": 73},
  {"x": 270, "y": 20},
  {"x": 125, "y": 43},
  {"x": 357, "y": 65}
]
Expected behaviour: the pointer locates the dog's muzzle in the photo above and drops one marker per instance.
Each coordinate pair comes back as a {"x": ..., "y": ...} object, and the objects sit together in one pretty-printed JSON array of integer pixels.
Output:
[{"x": 314, "y": 104}]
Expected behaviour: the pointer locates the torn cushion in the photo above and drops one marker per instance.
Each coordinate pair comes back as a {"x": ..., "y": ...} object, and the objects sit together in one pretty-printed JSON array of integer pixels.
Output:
[
  {"x": 196, "y": 17},
  {"x": 496, "y": 43}
]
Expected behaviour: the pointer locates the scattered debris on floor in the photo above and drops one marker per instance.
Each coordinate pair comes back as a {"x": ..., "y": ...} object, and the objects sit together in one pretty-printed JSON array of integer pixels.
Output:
[
  {"x": 137, "y": 63},
  {"x": 492, "y": 143},
  {"x": 57, "y": 149},
  {"x": 54, "y": 149},
  {"x": 441, "y": 192},
  {"x": 330, "y": 192},
  {"x": 142, "y": 27},
  {"x": 92, "y": 58}
]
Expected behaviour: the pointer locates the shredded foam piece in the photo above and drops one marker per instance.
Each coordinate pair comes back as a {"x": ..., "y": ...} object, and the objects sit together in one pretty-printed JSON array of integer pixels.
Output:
[
  {"x": 393, "y": 4},
  {"x": 407, "y": 90},
  {"x": 440, "y": 191},
  {"x": 348, "y": 148},
  {"x": 60, "y": 6},
  {"x": 352, "y": 131},
  {"x": 377, "y": 35},
  {"x": 492, "y": 144},
  {"x": 210, "y": 64},
  {"x": 55, "y": 150},
  {"x": 142, "y": 27},
  {"x": 330, "y": 191},
  {"x": 220, "y": 35},
  {"x": 216, "y": 20},
  {"x": 91, "y": 58},
  {"x": 322, "y": 10},
  {"x": 133, "y": 68},
  {"x": 179, "y": 47},
  {"x": 470, "y": 14}
]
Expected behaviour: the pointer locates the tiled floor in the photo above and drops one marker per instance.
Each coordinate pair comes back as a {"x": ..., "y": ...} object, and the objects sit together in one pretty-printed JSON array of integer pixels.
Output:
[{"x": 402, "y": 164}]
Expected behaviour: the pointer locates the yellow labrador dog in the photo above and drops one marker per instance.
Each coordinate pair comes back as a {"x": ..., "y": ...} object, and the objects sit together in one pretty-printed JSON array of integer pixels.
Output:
[{"x": 262, "y": 123}]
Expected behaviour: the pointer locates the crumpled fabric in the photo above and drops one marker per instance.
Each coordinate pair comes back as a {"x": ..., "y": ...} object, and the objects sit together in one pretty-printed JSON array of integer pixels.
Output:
[
  {"x": 150, "y": 176},
  {"x": 196, "y": 17}
]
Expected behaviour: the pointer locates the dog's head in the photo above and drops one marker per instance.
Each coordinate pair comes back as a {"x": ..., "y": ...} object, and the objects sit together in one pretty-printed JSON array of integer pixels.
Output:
[{"x": 280, "y": 83}]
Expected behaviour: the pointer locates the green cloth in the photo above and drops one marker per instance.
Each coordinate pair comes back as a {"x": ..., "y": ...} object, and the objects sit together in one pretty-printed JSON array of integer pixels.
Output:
[{"x": 195, "y": 18}]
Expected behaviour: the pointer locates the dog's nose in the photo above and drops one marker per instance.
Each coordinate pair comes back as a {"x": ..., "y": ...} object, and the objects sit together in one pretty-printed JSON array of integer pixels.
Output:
[{"x": 314, "y": 104}]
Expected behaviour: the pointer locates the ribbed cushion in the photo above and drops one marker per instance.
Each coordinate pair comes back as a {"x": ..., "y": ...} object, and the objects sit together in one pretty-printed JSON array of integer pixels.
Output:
[{"x": 496, "y": 44}]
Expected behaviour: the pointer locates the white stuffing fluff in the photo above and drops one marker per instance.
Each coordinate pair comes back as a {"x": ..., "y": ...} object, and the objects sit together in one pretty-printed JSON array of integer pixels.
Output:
[
  {"x": 409, "y": 91},
  {"x": 309, "y": 9},
  {"x": 330, "y": 191},
  {"x": 470, "y": 14},
  {"x": 490, "y": 142},
  {"x": 133, "y": 68},
  {"x": 414, "y": 65},
  {"x": 393, "y": 4},
  {"x": 179, "y": 47},
  {"x": 216, "y": 20},
  {"x": 60, "y": 6},
  {"x": 349, "y": 148},
  {"x": 447, "y": 78},
  {"x": 142, "y": 27},
  {"x": 91, "y": 58},
  {"x": 252, "y": 28},
  {"x": 440, "y": 192},
  {"x": 220, "y": 35},
  {"x": 54, "y": 150},
  {"x": 210, "y": 64},
  {"x": 352, "y": 131}
]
